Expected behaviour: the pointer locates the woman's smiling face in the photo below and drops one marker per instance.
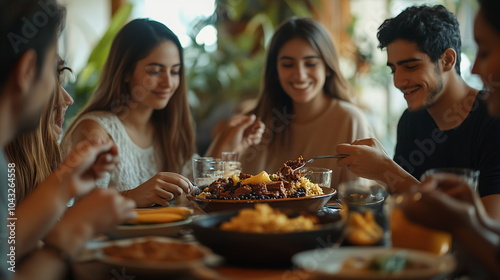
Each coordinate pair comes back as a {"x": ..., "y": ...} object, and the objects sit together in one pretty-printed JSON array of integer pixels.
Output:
[
  {"x": 156, "y": 77},
  {"x": 301, "y": 71}
]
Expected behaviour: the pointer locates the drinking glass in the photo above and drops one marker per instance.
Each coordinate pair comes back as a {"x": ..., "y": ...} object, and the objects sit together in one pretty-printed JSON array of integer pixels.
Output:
[
  {"x": 406, "y": 234},
  {"x": 318, "y": 175},
  {"x": 362, "y": 194},
  {"x": 469, "y": 176},
  {"x": 364, "y": 200},
  {"x": 206, "y": 170},
  {"x": 229, "y": 156},
  {"x": 231, "y": 164}
]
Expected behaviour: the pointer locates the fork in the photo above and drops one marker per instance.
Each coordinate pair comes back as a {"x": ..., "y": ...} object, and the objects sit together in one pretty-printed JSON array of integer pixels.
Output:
[{"x": 319, "y": 157}]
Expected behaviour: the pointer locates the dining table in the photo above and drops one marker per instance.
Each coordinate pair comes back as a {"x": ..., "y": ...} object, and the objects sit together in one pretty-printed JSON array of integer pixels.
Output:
[
  {"x": 87, "y": 267},
  {"x": 94, "y": 270}
]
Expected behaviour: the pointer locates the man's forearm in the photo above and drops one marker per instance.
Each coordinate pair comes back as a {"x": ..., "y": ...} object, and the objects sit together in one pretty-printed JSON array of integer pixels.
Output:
[{"x": 397, "y": 179}]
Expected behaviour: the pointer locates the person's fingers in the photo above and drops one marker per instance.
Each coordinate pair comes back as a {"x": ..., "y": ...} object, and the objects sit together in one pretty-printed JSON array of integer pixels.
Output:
[
  {"x": 160, "y": 201},
  {"x": 105, "y": 162},
  {"x": 362, "y": 142},
  {"x": 104, "y": 159},
  {"x": 168, "y": 191},
  {"x": 453, "y": 186},
  {"x": 428, "y": 183},
  {"x": 346, "y": 149},
  {"x": 342, "y": 163},
  {"x": 461, "y": 192},
  {"x": 366, "y": 141},
  {"x": 343, "y": 148},
  {"x": 98, "y": 145},
  {"x": 113, "y": 150},
  {"x": 128, "y": 207},
  {"x": 164, "y": 193},
  {"x": 176, "y": 180},
  {"x": 249, "y": 125}
]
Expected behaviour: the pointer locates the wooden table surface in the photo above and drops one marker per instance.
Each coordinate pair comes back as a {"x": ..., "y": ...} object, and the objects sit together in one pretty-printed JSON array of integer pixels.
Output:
[
  {"x": 88, "y": 268},
  {"x": 94, "y": 270}
]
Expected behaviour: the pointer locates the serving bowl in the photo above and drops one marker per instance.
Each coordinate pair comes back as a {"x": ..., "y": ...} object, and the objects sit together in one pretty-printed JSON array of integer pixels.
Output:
[
  {"x": 306, "y": 203},
  {"x": 267, "y": 249}
]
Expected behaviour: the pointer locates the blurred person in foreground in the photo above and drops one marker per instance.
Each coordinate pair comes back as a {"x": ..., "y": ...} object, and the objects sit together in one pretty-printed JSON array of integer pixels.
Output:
[
  {"x": 449, "y": 204},
  {"x": 446, "y": 123},
  {"x": 27, "y": 81},
  {"x": 39, "y": 149}
]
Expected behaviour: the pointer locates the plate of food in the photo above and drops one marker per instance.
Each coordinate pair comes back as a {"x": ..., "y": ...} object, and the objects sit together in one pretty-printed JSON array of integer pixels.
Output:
[
  {"x": 163, "y": 221},
  {"x": 154, "y": 255},
  {"x": 268, "y": 236},
  {"x": 365, "y": 263},
  {"x": 287, "y": 188}
]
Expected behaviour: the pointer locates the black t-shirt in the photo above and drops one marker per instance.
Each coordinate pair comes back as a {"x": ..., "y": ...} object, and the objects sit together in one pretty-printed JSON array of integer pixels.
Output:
[{"x": 474, "y": 144}]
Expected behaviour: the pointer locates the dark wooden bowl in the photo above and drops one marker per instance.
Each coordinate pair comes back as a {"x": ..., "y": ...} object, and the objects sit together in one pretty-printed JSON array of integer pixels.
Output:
[{"x": 266, "y": 249}]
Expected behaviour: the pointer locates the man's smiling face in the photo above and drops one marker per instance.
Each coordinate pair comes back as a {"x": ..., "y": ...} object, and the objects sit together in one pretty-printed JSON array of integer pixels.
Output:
[{"x": 414, "y": 74}]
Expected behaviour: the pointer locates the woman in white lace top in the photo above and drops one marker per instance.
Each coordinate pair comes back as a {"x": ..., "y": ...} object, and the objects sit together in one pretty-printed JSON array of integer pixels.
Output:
[{"x": 141, "y": 104}]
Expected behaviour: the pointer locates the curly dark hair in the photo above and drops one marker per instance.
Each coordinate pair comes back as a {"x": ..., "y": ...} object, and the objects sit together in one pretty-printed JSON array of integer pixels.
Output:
[
  {"x": 489, "y": 9},
  {"x": 434, "y": 29}
]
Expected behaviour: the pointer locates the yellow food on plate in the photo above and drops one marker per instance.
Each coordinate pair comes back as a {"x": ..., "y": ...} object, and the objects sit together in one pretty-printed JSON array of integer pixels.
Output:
[
  {"x": 262, "y": 177},
  {"x": 160, "y": 215},
  {"x": 363, "y": 229},
  {"x": 265, "y": 219}
]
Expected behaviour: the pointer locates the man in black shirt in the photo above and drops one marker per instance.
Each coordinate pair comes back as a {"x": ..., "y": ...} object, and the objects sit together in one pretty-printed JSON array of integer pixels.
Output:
[{"x": 446, "y": 123}]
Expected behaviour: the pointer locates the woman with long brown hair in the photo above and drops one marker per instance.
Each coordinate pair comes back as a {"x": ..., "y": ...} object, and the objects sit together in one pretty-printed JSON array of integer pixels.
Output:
[
  {"x": 304, "y": 102},
  {"x": 141, "y": 104}
]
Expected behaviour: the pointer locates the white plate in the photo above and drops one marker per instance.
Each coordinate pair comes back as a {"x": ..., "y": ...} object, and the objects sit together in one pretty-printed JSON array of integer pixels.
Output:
[
  {"x": 155, "y": 267},
  {"x": 164, "y": 229},
  {"x": 326, "y": 263}
]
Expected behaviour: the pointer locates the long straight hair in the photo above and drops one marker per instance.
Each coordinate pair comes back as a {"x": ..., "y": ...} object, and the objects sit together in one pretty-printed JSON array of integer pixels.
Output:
[
  {"x": 36, "y": 153},
  {"x": 273, "y": 98},
  {"x": 173, "y": 124}
]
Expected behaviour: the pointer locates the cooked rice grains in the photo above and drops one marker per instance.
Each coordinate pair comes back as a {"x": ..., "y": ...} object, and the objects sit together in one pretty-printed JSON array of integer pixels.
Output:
[{"x": 311, "y": 189}]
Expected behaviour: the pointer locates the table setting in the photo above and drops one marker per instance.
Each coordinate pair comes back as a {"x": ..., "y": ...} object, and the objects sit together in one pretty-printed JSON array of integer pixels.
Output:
[{"x": 241, "y": 231}]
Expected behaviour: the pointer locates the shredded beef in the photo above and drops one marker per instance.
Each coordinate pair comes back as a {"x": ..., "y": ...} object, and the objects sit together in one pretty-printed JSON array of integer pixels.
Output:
[{"x": 279, "y": 187}]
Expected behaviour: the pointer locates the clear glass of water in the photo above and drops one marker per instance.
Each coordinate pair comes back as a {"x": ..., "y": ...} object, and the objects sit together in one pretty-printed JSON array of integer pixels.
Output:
[
  {"x": 206, "y": 170},
  {"x": 318, "y": 175}
]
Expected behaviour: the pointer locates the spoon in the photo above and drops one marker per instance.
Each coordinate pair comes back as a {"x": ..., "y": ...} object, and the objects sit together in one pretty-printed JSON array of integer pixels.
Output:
[{"x": 319, "y": 157}]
